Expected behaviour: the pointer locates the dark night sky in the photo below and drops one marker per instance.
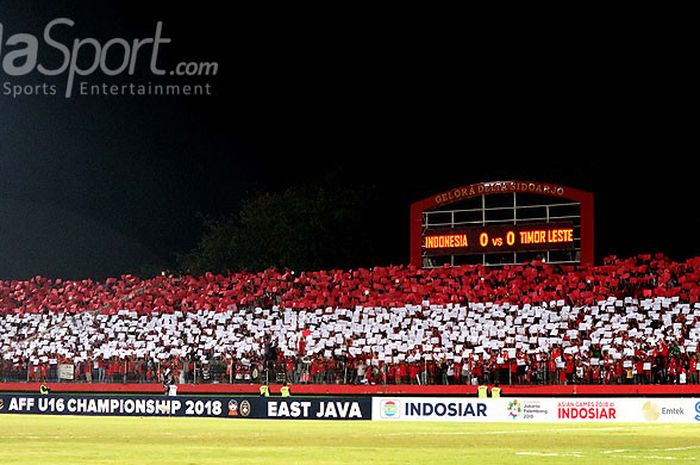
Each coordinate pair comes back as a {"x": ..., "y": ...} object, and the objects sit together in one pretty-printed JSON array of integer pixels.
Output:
[{"x": 97, "y": 186}]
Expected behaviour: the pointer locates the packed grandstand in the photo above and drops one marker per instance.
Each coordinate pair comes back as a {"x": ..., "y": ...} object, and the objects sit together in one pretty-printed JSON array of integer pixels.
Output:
[{"x": 633, "y": 320}]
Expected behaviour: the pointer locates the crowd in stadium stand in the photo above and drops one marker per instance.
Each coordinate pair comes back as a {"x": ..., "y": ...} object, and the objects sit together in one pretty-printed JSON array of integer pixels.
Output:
[{"x": 628, "y": 321}]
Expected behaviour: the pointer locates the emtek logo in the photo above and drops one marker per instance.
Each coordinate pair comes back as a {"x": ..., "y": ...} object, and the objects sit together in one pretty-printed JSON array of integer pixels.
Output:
[
  {"x": 390, "y": 409},
  {"x": 651, "y": 411}
]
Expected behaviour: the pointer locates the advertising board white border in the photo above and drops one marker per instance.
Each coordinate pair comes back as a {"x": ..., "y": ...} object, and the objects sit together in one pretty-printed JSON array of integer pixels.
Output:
[{"x": 538, "y": 409}]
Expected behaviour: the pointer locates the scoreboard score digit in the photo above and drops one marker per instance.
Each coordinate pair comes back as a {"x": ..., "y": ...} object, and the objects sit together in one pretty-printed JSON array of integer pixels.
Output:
[{"x": 490, "y": 239}]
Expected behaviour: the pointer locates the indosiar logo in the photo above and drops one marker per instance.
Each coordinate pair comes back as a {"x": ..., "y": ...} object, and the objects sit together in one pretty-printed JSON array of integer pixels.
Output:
[
  {"x": 697, "y": 410},
  {"x": 20, "y": 55},
  {"x": 391, "y": 409}
]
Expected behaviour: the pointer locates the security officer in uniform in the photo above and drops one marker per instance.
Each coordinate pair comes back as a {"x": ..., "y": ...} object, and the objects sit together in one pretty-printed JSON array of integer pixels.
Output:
[
  {"x": 264, "y": 390},
  {"x": 482, "y": 391},
  {"x": 285, "y": 390},
  {"x": 44, "y": 390},
  {"x": 496, "y": 392}
]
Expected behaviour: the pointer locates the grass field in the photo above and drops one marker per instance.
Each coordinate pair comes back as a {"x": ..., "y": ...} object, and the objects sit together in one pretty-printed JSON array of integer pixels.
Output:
[{"x": 39, "y": 440}]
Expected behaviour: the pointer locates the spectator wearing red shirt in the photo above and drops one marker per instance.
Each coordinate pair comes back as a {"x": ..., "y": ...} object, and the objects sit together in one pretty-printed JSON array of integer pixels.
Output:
[
  {"x": 639, "y": 377},
  {"x": 457, "y": 373},
  {"x": 477, "y": 372},
  {"x": 315, "y": 371},
  {"x": 569, "y": 369},
  {"x": 403, "y": 371},
  {"x": 619, "y": 372},
  {"x": 672, "y": 371},
  {"x": 552, "y": 370},
  {"x": 87, "y": 370},
  {"x": 413, "y": 372}
]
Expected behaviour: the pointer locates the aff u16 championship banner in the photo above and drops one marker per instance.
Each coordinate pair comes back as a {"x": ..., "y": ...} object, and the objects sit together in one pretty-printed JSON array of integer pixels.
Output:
[
  {"x": 180, "y": 406},
  {"x": 513, "y": 409},
  {"x": 537, "y": 409}
]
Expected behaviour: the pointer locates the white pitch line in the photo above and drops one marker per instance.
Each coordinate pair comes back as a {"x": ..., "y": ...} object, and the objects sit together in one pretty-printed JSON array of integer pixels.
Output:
[
  {"x": 654, "y": 457},
  {"x": 612, "y": 428},
  {"x": 667, "y": 449},
  {"x": 552, "y": 454},
  {"x": 621, "y": 451},
  {"x": 676, "y": 448},
  {"x": 34, "y": 437},
  {"x": 582, "y": 455}
]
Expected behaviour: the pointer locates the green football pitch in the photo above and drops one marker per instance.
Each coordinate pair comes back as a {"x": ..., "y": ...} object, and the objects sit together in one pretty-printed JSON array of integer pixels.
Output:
[{"x": 39, "y": 440}]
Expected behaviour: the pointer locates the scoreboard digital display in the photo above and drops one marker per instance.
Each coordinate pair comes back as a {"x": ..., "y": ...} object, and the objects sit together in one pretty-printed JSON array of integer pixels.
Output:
[{"x": 492, "y": 239}]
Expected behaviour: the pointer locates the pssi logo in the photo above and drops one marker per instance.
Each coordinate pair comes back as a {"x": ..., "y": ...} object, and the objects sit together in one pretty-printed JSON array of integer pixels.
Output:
[
  {"x": 390, "y": 409},
  {"x": 245, "y": 408},
  {"x": 515, "y": 409}
]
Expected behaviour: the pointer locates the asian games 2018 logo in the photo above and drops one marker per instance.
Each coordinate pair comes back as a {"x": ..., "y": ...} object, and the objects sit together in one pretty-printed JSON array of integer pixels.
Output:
[{"x": 515, "y": 409}]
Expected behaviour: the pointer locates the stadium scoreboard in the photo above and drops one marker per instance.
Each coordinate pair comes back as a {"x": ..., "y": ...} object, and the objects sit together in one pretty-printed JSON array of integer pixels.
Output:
[
  {"x": 490, "y": 239},
  {"x": 497, "y": 223}
]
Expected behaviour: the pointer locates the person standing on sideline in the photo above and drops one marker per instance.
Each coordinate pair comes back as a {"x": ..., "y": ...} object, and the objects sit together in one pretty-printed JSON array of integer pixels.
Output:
[
  {"x": 264, "y": 390},
  {"x": 285, "y": 390},
  {"x": 482, "y": 391},
  {"x": 496, "y": 391}
]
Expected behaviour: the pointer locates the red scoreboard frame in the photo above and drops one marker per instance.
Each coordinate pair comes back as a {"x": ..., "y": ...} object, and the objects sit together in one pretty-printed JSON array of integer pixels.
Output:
[{"x": 509, "y": 242}]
